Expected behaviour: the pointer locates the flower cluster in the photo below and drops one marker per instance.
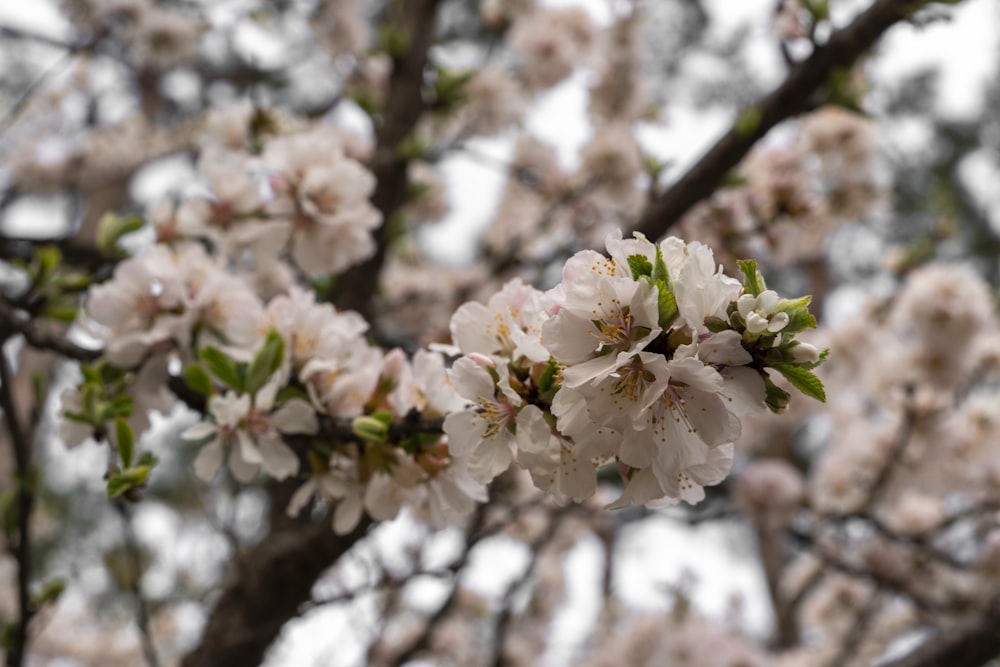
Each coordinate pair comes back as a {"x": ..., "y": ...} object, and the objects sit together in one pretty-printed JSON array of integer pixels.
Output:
[{"x": 647, "y": 358}]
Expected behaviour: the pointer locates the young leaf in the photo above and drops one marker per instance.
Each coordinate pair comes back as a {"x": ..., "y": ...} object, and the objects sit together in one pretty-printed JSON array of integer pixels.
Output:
[
  {"x": 799, "y": 317},
  {"x": 126, "y": 441},
  {"x": 640, "y": 266},
  {"x": 803, "y": 380},
  {"x": 667, "y": 306},
  {"x": 753, "y": 281},
  {"x": 198, "y": 380},
  {"x": 267, "y": 361},
  {"x": 224, "y": 368}
]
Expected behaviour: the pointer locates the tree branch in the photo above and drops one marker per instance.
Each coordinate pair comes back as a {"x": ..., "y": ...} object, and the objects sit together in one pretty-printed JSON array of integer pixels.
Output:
[
  {"x": 404, "y": 106},
  {"x": 969, "y": 644},
  {"x": 275, "y": 578},
  {"x": 21, "y": 437},
  {"x": 796, "y": 94}
]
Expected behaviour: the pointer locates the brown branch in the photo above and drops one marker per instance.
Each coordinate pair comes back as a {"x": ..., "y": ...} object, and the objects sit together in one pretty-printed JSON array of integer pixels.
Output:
[
  {"x": 21, "y": 437},
  {"x": 404, "y": 106},
  {"x": 14, "y": 322},
  {"x": 798, "y": 93},
  {"x": 968, "y": 644},
  {"x": 275, "y": 579}
]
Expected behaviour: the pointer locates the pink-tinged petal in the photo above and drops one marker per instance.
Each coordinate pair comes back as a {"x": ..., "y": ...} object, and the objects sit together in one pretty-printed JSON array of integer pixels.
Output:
[
  {"x": 471, "y": 381},
  {"x": 463, "y": 430},
  {"x": 208, "y": 460},
  {"x": 724, "y": 348},
  {"x": 347, "y": 515},
  {"x": 708, "y": 418},
  {"x": 743, "y": 391},
  {"x": 471, "y": 326},
  {"x": 199, "y": 432},
  {"x": 637, "y": 449},
  {"x": 696, "y": 374},
  {"x": 295, "y": 416},
  {"x": 242, "y": 470},
  {"x": 533, "y": 432},
  {"x": 576, "y": 476},
  {"x": 247, "y": 449},
  {"x": 569, "y": 338},
  {"x": 301, "y": 497},
  {"x": 643, "y": 488},
  {"x": 277, "y": 458},
  {"x": 490, "y": 458}
]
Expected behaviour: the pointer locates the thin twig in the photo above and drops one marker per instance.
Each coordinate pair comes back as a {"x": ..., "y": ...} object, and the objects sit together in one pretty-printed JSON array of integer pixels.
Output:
[
  {"x": 21, "y": 439},
  {"x": 135, "y": 585}
]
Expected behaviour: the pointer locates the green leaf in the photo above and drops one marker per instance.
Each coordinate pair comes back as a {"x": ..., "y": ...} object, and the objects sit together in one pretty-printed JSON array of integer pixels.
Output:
[
  {"x": 51, "y": 592},
  {"x": 111, "y": 228},
  {"x": 121, "y": 406},
  {"x": 667, "y": 304},
  {"x": 267, "y": 361},
  {"x": 117, "y": 486},
  {"x": 224, "y": 368},
  {"x": 753, "y": 281},
  {"x": 288, "y": 393},
  {"x": 804, "y": 380},
  {"x": 776, "y": 398},
  {"x": 640, "y": 265},
  {"x": 147, "y": 459},
  {"x": 196, "y": 378},
  {"x": 47, "y": 261},
  {"x": 126, "y": 441},
  {"x": 660, "y": 273},
  {"x": 799, "y": 317},
  {"x": 120, "y": 483}
]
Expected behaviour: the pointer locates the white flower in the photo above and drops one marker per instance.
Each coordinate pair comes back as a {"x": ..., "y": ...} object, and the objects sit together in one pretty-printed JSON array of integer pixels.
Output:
[
  {"x": 252, "y": 431},
  {"x": 758, "y": 312},
  {"x": 510, "y": 325},
  {"x": 601, "y": 318},
  {"x": 483, "y": 432},
  {"x": 701, "y": 290},
  {"x": 555, "y": 464}
]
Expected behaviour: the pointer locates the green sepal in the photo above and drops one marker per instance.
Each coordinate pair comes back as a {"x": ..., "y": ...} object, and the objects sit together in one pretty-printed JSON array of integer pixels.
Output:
[
  {"x": 716, "y": 324},
  {"x": 267, "y": 361},
  {"x": 547, "y": 380},
  {"x": 125, "y": 440},
  {"x": 753, "y": 281},
  {"x": 370, "y": 428},
  {"x": 804, "y": 380},
  {"x": 776, "y": 398}
]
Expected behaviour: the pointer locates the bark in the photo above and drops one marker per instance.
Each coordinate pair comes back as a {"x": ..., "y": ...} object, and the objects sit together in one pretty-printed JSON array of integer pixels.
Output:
[
  {"x": 272, "y": 582},
  {"x": 970, "y": 644},
  {"x": 277, "y": 576},
  {"x": 798, "y": 93}
]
